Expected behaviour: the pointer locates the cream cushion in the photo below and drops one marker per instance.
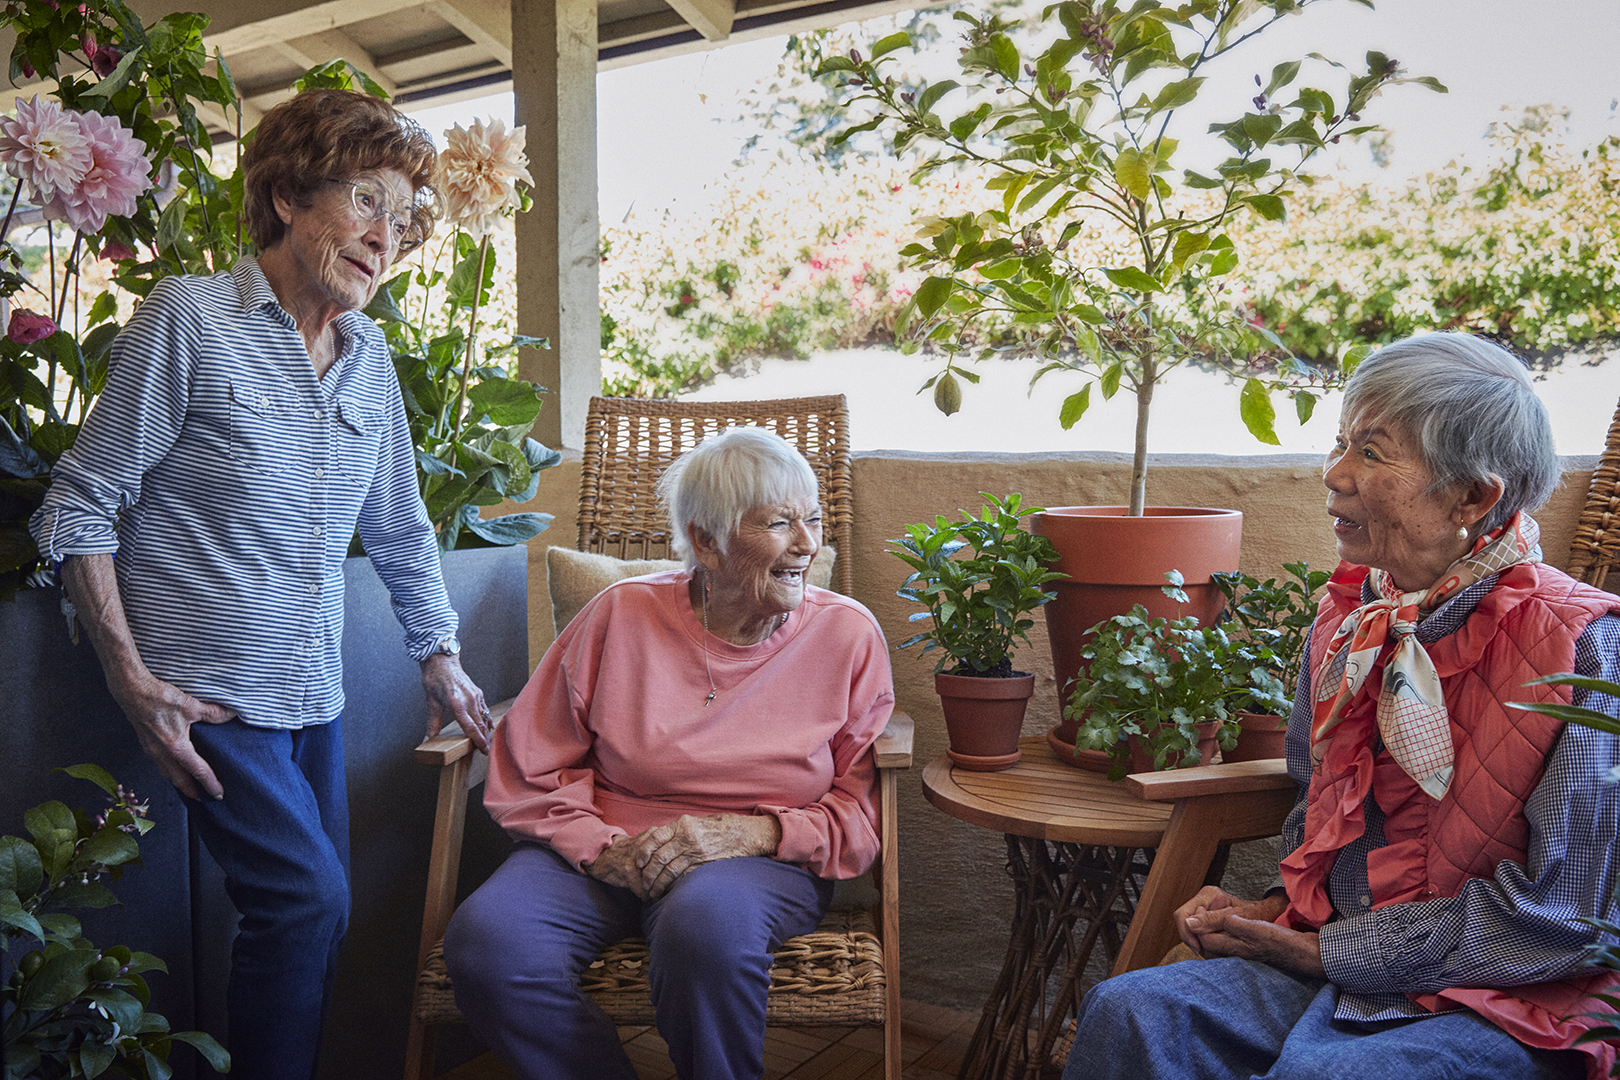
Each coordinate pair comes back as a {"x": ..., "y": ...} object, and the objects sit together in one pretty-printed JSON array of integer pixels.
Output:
[{"x": 574, "y": 577}]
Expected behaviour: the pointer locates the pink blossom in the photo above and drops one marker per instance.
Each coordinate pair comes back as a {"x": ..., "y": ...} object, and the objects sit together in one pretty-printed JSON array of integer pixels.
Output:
[
  {"x": 118, "y": 174},
  {"x": 478, "y": 174},
  {"x": 117, "y": 251},
  {"x": 28, "y": 327},
  {"x": 44, "y": 146}
]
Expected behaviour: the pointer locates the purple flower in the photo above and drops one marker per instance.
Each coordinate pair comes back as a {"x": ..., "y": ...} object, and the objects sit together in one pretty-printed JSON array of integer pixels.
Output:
[
  {"x": 44, "y": 147},
  {"x": 117, "y": 251},
  {"x": 103, "y": 58},
  {"x": 118, "y": 174},
  {"x": 28, "y": 327}
]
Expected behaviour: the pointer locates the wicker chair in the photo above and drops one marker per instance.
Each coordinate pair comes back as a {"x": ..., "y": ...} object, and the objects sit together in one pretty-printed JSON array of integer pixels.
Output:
[
  {"x": 845, "y": 973},
  {"x": 1596, "y": 546}
]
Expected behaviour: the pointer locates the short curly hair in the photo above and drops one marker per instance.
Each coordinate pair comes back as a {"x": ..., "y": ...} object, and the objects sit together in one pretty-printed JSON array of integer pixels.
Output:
[{"x": 323, "y": 134}]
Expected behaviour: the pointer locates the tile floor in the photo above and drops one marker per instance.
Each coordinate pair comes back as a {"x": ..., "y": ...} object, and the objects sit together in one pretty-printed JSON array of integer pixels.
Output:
[{"x": 932, "y": 1042}]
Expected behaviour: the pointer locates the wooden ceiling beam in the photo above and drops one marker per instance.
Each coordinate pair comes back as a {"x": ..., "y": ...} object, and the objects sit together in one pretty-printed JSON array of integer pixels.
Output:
[
  {"x": 711, "y": 18},
  {"x": 305, "y": 22},
  {"x": 484, "y": 22}
]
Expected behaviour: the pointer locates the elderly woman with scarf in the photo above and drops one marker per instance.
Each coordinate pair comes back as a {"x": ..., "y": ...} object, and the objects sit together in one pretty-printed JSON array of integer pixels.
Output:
[{"x": 1447, "y": 849}]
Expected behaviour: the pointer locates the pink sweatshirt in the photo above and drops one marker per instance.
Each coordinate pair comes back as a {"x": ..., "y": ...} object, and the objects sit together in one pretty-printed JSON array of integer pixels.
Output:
[{"x": 611, "y": 736}]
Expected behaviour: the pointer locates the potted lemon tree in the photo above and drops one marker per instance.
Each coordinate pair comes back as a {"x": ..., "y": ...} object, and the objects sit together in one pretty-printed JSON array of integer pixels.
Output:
[{"x": 979, "y": 579}]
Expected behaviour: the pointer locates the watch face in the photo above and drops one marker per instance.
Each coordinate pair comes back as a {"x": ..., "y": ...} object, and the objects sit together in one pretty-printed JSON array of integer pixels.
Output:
[{"x": 450, "y": 646}]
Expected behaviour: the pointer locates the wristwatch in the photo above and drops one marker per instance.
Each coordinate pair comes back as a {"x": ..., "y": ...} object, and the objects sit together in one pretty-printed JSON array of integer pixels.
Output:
[{"x": 450, "y": 646}]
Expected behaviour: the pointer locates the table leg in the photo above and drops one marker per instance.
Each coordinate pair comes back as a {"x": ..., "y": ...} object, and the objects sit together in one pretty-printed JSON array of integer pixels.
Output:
[{"x": 1067, "y": 898}]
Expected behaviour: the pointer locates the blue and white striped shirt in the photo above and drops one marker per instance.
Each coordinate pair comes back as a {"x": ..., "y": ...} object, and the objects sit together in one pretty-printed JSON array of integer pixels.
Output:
[
  {"x": 1523, "y": 926},
  {"x": 229, "y": 480}
]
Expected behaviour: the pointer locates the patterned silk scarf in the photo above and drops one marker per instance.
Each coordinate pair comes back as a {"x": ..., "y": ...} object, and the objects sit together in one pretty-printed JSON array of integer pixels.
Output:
[{"x": 1412, "y": 718}]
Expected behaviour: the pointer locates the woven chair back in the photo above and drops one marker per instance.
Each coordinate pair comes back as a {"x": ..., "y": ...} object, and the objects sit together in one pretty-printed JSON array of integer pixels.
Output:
[
  {"x": 629, "y": 442},
  {"x": 1596, "y": 547}
]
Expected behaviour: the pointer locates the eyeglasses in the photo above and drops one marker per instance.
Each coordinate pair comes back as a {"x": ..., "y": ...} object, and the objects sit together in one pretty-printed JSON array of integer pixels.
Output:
[{"x": 370, "y": 201}]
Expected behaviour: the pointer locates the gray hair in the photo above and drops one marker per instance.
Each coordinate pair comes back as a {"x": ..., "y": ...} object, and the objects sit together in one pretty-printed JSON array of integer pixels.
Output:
[
  {"x": 714, "y": 484},
  {"x": 1471, "y": 411}
]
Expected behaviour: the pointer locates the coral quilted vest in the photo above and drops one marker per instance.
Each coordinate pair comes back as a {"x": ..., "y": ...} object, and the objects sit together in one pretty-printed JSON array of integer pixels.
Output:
[{"x": 1524, "y": 628}]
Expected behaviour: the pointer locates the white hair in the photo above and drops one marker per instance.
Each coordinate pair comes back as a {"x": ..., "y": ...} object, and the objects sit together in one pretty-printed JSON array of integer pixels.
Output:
[
  {"x": 1471, "y": 411},
  {"x": 716, "y": 483}
]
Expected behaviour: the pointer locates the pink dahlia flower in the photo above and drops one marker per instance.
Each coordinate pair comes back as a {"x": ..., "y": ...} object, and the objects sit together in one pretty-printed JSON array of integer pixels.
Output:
[
  {"x": 44, "y": 146},
  {"x": 28, "y": 327},
  {"x": 118, "y": 174},
  {"x": 478, "y": 174}
]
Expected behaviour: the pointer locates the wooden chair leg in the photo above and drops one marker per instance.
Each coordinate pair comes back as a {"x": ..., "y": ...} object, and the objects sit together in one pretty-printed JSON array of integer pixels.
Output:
[
  {"x": 419, "y": 1051},
  {"x": 888, "y": 786}
]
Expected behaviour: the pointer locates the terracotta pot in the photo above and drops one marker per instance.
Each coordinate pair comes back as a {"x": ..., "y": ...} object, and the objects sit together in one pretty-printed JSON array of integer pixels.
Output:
[
  {"x": 1260, "y": 736},
  {"x": 1208, "y": 742},
  {"x": 984, "y": 718},
  {"x": 1115, "y": 561}
]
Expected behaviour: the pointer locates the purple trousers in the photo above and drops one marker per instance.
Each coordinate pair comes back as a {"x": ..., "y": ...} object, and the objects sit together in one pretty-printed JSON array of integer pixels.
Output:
[{"x": 516, "y": 947}]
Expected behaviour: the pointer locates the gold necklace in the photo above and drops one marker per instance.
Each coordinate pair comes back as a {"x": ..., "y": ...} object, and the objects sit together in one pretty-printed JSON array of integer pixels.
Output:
[{"x": 781, "y": 621}]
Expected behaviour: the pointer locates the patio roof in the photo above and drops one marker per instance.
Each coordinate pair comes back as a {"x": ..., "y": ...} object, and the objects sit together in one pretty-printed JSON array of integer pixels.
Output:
[{"x": 441, "y": 51}]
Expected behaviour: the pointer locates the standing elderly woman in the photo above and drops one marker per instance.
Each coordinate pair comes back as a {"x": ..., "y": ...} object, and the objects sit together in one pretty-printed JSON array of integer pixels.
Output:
[
  {"x": 690, "y": 763},
  {"x": 251, "y": 421},
  {"x": 1446, "y": 848}
]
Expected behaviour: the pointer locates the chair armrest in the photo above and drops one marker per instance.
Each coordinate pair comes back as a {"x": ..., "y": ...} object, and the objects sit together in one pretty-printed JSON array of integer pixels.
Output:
[
  {"x": 1235, "y": 777},
  {"x": 892, "y": 750},
  {"x": 450, "y": 745}
]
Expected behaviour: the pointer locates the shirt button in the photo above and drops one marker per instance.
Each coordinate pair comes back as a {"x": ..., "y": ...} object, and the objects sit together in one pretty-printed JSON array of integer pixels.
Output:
[
  {"x": 314, "y": 590},
  {"x": 316, "y": 531},
  {"x": 319, "y": 472},
  {"x": 264, "y": 403},
  {"x": 1365, "y": 900}
]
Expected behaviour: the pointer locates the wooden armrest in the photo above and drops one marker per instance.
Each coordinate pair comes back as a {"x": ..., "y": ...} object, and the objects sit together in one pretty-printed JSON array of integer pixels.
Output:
[
  {"x": 1234, "y": 777},
  {"x": 892, "y": 750},
  {"x": 450, "y": 745}
]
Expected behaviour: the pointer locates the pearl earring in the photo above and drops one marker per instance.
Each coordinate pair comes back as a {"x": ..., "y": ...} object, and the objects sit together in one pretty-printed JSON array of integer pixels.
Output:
[{"x": 1462, "y": 532}]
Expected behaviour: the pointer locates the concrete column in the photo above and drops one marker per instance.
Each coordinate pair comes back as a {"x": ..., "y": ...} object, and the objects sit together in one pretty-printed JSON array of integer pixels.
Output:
[{"x": 554, "y": 87}]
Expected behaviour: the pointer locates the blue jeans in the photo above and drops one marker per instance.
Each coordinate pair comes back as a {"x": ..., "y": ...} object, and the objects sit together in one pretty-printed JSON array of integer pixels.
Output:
[
  {"x": 516, "y": 947},
  {"x": 1229, "y": 1018},
  {"x": 281, "y": 835}
]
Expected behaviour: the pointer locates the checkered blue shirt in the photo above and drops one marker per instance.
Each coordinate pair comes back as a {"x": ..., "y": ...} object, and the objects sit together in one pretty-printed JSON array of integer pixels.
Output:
[
  {"x": 229, "y": 480},
  {"x": 1523, "y": 926}
]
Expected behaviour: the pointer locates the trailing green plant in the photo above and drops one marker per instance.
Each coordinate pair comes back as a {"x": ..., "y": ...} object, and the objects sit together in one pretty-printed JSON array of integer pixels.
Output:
[
  {"x": 1155, "y": 680},
  {"x": 1273, "y": 621},
  {"x": 71, "y": 1008},
  {"x": 979, "y": 578},
  {"x": 1080, "y": 136}
]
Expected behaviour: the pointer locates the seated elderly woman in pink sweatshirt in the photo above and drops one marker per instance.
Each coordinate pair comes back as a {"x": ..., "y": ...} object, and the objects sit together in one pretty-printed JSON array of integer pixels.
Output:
[{"x": 689, "y": 762}]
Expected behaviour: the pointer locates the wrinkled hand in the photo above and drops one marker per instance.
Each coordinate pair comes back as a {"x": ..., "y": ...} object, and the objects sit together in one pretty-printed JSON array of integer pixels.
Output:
[
  {"x": 650, "y": 863},
  {"x": 1215, "y": 923},
  {"x": 454, "y": 698},
  {"x": 162, "y": 716}
]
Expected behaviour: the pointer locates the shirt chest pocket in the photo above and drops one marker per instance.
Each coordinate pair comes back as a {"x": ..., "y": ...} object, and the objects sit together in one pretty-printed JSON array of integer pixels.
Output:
[
  {"x": 271, "y": 431},
  {"x": 356, "y": 441}
]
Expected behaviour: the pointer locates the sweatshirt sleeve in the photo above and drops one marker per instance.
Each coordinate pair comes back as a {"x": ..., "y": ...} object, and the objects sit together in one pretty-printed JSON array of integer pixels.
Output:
[
  {"x": 541, "y": 786},
  {"x": 837, "y": 835}
]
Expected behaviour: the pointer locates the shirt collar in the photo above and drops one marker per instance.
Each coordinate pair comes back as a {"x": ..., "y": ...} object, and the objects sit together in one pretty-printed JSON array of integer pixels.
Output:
[{"x": 255, "y": 293}]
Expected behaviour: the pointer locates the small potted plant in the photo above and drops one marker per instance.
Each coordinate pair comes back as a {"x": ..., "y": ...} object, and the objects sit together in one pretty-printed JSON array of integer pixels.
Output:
[
  {"x": 1268, "y": 622},
  {"x": 979, "y": 578},
  {"x": 1156, "y": 693}
]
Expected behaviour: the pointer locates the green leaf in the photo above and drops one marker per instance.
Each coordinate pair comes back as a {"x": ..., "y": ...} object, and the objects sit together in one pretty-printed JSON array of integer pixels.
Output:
[
  {"x": 1304, "y": 405},
  {"x": 931, "y": 294},
  {"x": 898, "y": 40},
  {"x": 1254, "y": 405},
  {"x": 506, "y": 402},
  {"x": 1074, "y": 407},
  {"x": 1281, "y": 76},
  {"x": 1133, "y": 171},
  {"x": 20, "y": 869},
  {"x": 1132, "y": 279},
  {"x": 1177, "y": 94},
  {"x": 834, "y": 64},
  {"x": 932, "y": 93},
  {"x": 59, "y": 980},
  {"x": 1269, "y": 207},
  {"x": 1006, "y": 57},
  {"x": 94, "y": 1057},
  {"x": 14, "y": 916},
  {"x": 1109, "y": 381},
  {"x": 509, "y": 528},
  {"x": 218, "y": 1059}
]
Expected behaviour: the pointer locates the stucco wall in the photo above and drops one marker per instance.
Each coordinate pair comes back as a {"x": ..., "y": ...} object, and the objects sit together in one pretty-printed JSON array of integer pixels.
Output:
[{"x": 955, "y": 901}]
